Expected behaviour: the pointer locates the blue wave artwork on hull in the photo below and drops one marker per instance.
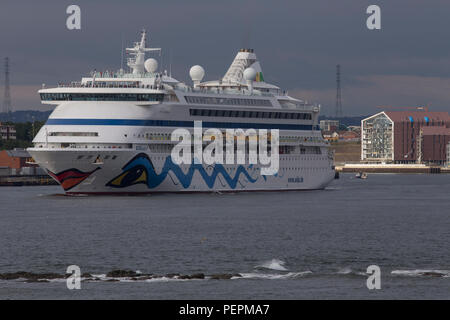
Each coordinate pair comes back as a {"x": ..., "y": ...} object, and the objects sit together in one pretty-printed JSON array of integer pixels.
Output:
[{"x": 141, "y": 170}]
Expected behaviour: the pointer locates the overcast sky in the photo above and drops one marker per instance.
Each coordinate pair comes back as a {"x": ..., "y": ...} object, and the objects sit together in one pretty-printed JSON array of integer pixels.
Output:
[{"x": 299, "y": 43}]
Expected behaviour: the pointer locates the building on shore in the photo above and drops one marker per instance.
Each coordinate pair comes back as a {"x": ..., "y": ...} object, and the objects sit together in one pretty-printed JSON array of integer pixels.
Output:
[
  {"x": 405, "y": 137},
  {"x": 433, "y": 143},
  {"x": 342, "y": 135},
  {"x": 329, "y": 125},
  {"x": 7, "y": 132},
  {"x": 331, "y": 136},
  {"x": 349, "y": 136},
  {"x": 448, "y": 154},
  {"x": 18, "y": 162}
]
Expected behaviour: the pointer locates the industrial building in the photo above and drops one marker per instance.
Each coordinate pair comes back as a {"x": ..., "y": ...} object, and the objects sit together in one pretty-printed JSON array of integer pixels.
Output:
[
  {"x": 406, "y": 137},
  {"x": 433, "y": 143},
  {"x": 448, "y": 155},
  {"x": 18, "y": 161}
]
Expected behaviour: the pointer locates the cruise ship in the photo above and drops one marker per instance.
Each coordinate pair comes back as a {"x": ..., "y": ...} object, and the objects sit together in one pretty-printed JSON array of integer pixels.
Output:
[{"x": 110, "y": 133}]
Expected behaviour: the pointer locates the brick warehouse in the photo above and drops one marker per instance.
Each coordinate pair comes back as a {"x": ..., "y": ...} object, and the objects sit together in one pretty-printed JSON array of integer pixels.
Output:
[
  {"x": 405, "y": 137},
  {"x": 16, "y": 159},
  {"x": 434, "y": 142}
]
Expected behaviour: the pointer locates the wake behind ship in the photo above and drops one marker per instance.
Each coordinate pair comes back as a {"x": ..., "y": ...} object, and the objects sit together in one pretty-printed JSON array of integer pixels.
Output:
[{"x": 110, "y": 133}]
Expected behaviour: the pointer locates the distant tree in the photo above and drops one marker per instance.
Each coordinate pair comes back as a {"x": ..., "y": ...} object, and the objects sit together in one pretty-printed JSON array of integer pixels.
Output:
[
  {"x": 27, "y": 130},
  {"x": 23, "y": 131},
  {"x": 11, "y": 144}
]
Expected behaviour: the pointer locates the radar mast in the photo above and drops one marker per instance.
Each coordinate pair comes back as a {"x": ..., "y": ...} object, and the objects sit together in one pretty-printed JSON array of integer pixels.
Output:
[{"x": 136, "y": 62}]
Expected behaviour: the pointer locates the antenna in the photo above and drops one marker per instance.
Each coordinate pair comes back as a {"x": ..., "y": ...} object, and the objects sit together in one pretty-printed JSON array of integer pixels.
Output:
[
  {"x": 7, "y": 95},
  {"x": 121, "y": 52},
  {"x": 338, "y": 91},
  {"x": 170, "y": 63},
  {"x": 136, "y": 62}
]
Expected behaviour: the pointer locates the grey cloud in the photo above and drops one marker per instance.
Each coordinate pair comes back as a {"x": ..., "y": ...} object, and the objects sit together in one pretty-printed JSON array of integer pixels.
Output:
[{"x": 298, "y": 42}]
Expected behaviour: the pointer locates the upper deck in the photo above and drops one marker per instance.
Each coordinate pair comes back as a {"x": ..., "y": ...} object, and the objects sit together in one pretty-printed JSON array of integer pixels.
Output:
[{"x": 144, "y": 84}]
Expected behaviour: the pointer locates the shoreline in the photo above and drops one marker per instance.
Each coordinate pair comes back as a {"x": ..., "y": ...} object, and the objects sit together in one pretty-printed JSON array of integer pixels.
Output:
[
  {"x": 391, "y": 168},
  {"x": 26, "y": 180}
]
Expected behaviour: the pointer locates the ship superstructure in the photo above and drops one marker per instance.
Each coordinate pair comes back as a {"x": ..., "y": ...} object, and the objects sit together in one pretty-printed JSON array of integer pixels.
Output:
[{"x": 111, "y": 132}]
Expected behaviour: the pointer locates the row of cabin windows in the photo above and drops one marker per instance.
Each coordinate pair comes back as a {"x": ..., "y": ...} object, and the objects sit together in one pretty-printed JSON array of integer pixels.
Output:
[
  {"x": 249, "y": 114},
  {"x": 310, "y": 150},
  {"x": 229, "y": 101},
  {"x": 168, "y": 148},
  {"x": 80, "y": 157},
  {"x": 101, "y": 97},
  {"x": 167, "y": 137},
  {"x": 93, "y": 146},
  {"x": 73, "y": 134},
  {"x": 282, "y": 149}
]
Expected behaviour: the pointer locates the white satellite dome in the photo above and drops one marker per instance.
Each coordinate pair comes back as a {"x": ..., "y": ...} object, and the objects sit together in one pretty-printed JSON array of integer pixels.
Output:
[
  {"x": 197, "y": 73},
  {"x": 151, "y": 65},
  {"x": 250, "y": 74}
]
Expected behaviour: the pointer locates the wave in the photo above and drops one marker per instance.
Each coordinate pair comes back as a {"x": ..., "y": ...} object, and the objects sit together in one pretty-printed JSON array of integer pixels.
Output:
[
  {"x": 349, "y": 271},
  {"x": 267, "y": 276},
  {"x": 274, "y": 264},
  {"x": 144, "y": 278},
  {"x": 422, "y": 273},
  {"x": 137, "y": 276},
  {"x": 277, "y": 265},
  {"x": 345, "y": 271},
  {"x": 225, "y": 276}
]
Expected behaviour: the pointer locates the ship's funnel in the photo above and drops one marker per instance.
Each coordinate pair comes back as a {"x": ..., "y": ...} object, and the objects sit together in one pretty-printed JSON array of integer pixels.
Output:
[{"x": 246, "y": 58}]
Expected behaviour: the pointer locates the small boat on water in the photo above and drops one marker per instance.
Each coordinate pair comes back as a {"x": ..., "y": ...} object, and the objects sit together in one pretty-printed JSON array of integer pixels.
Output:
[{"x": 361, "y": 175}]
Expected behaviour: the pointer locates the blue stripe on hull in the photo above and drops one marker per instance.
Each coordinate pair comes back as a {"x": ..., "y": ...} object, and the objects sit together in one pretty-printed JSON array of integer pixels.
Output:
[{"x": 171, "y": 123}]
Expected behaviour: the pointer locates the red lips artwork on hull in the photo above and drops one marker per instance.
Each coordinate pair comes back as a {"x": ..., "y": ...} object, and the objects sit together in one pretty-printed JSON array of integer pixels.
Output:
[{"x": 71, "y": 177}]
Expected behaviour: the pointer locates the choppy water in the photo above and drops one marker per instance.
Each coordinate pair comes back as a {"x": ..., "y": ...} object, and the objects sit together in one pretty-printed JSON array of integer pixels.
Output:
[{"x": 292, "y": 245}]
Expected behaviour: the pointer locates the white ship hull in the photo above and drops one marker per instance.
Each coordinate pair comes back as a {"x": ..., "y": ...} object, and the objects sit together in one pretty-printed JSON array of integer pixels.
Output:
[
  {"x": 111, "y": 132},
  {"x": 146, "y": 175}
]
